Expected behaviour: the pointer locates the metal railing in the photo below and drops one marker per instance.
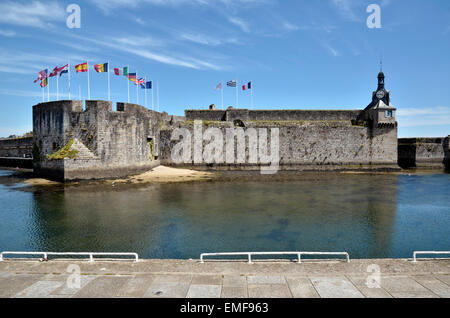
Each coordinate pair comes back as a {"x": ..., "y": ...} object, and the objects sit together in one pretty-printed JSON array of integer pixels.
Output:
[
  {"x": 428, "y": 253},
  {"x": 249, "y": 254},
  {"x": 90, "y": 254}
]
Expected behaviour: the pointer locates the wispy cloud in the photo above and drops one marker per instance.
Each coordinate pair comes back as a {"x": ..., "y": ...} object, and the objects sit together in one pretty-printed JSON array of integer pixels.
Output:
[
  {"x": 330, "y": 49},
  {"x": 243, "y": 25},
  {"x": 411, "y": 117},
  {"x": 8, "y": 33},
  {"x": 347, "y": 9},
  {"x": 31, "y": 13}
]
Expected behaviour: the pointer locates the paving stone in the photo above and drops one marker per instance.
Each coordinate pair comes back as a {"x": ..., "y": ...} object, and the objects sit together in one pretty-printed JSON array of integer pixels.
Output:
[
  {"x": 173, "y": 279},
  {"x": 269, "y": 291},
  {"x": 394, "y": 284},
  {"x": 234, "y": 292},
  {"x": 135, "y": 287},
  {"x": 65, "y": 290},
  {"x": 204, "y": 291},
  {"x": 266, "y": 280},
  {"x": 39, "y": 289},
  {"x": 360, "y": 281},
  {"x": 103, "y": 286},
  {"x": 167, "y": 290},
  {"x": 443, "y": 278},
  {"x": 234, "y": 281},
  {"x": 434, "y": 284},
  {"x": 10, "y": 286},
  {"x": 414, "y": 294},
  {"x": 207, "y": 280},
  {"x": 335, "y": 287},
  {"x": 301, "y": 287}
]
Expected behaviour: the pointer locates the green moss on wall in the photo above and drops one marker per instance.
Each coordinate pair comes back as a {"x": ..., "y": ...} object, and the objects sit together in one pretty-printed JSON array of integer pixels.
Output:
[{"x": 64, "y": 152}]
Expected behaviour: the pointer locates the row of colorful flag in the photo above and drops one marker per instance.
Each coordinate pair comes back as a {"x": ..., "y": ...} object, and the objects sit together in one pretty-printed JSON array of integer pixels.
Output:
[{"x": 44, "y": 75}]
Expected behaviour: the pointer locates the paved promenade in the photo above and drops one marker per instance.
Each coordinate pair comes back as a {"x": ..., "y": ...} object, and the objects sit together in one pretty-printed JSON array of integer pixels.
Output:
[{"x": 191, "y": 279}]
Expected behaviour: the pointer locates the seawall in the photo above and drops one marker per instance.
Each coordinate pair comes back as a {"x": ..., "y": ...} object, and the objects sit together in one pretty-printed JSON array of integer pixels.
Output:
[{"x": 424, "y": 152}]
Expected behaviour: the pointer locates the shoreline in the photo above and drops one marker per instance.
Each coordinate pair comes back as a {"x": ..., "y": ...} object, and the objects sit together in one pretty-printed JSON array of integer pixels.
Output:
[{"x": 171, "y": 175}]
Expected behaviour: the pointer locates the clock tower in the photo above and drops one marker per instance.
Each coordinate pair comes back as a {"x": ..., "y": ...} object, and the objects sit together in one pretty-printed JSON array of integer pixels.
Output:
[
  {"x": 381, "y": 93},
  {"x": 380, "y": 112}
]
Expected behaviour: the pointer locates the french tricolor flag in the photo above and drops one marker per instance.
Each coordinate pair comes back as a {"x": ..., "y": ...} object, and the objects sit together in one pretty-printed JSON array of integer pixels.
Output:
[{"x": 248, "y": 86}]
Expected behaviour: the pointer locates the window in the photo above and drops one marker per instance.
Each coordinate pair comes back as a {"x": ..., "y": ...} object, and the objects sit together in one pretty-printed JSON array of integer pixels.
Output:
[{"x": 389, "y": 114}]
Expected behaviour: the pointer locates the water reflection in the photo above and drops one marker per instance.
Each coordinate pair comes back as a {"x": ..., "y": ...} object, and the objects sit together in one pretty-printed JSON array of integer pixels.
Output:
[{"x": 366, "y": 215}]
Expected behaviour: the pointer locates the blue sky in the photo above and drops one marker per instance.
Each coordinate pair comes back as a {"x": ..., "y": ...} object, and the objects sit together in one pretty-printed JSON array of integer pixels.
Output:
[{"x": 300, "y": 54}]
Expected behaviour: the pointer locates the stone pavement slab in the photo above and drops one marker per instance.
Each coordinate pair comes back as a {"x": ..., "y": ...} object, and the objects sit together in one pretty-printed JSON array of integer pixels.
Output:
[
  {"x": 135, "y": 287},
  {"x": 335, "y": 287},
  {"x": 234, "y": 281},
  {"x": 103, "y": 286},
  {"x": 433, "y": 284},
  {"x": 234, "y": 292},
  {"x": 65, "y": 290},
  {"x": 14, "y": 284},
  {"x": 266, "y": 280},
  {"x": 207, "y": 279},
  {"x": 398, "y": 284},
  {"x": 167, "y": 290},
  {"x": 269, "y": 291},
  {"x": 301, "y": 287},
  {"x": 204, "y": 291},
  {"x": 39, "y": 289}
]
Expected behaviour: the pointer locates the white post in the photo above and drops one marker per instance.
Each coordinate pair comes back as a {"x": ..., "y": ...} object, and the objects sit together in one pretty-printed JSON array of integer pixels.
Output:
[
  {"x": 89, "y": 85},
  {"x": 128, "y": 83},
  {"x": 68, "y": 66},
  {"x": 109, "y": 93},
  {"x": 152, "y": 94}
]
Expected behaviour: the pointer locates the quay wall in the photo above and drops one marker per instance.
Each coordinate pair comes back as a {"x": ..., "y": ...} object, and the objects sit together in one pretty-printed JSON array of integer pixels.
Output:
[{"x": 424, "y": 152}]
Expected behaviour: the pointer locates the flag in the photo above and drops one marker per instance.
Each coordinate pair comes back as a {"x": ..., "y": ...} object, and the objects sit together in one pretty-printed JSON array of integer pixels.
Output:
[
  {"x": 83, "y": 67},
  {"x": 132, "y": 77},
  {"x": 139, "y": 81},
  {"x": 248, "y": 86},
  {"x": 219, "y": 86},
  {"x": 121, "y": 71},
  {"x": 57, "y": 69},
  {"x": 64, "y": 70},
  {"x": 44, "y": 82},
  {"x": 101, "y": 68},
  {"x": 148, "y": 85},
  {"x": 41, "y": 75},
  {"x": 232, "y": 83}
]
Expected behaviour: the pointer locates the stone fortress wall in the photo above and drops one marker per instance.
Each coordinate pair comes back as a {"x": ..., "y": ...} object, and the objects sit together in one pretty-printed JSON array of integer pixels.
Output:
[
  {"x": 71, "y": 143},
  {"x": 308, "y": 139},
  {"x": 424, "y": 152}
]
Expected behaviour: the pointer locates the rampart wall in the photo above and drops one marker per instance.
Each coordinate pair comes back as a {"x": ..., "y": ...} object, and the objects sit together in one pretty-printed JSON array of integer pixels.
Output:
[{"x": 424, "y": 152}]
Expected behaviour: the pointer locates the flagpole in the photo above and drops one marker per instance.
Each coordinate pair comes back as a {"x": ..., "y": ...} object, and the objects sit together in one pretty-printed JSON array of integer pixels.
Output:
[
  {"x": 109, "y": 92},
  {"x": 128, "y": 83},
  {"x": 57, "y": 86},
  {"x": 251, "y": 93},
  {"x": 152, "y": 94},
  {"x": 79, "y": 92},
  {"x": 48, "y": 85},
  {"x": 137, "y": 91},
  {"x": 145, "y": 87},
  {"x": 43, "y": 89},
  {"x": 221, "y": 93},
  {"x": 68, "y": 62},
  {"x": 237, "y": 93},
  {"x": 89, "y": 84},
  {"x": 157, "y": 93}
]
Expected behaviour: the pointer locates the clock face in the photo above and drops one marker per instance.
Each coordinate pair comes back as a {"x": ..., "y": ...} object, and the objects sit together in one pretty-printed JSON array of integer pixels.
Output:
[{"x": 380, "y": 94}]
